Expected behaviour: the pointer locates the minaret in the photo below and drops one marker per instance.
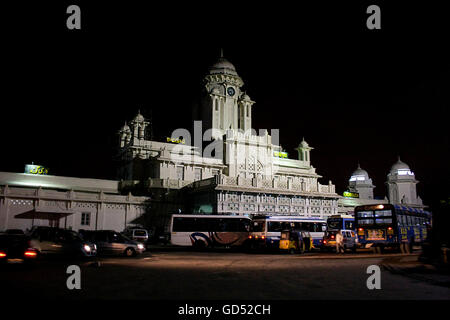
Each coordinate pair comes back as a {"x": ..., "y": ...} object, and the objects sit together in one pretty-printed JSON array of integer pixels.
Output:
[
  {"x": 401, "y": 183},
  {"x": 304, "y": 151},
  {"x": 124, "y": 135},
  {"x": 138, "y": 127}
]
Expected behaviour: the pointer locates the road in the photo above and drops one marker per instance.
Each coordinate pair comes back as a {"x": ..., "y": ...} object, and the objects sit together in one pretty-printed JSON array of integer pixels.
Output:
[{"x": 219, "y": 275}]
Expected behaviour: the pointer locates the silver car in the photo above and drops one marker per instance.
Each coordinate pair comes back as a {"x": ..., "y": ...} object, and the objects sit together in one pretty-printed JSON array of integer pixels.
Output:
[{"x": 110, "y": 242}]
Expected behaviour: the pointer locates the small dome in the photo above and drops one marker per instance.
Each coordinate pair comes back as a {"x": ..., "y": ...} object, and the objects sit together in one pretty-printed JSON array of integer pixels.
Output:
[
  {"x": 139, "y": 117},
  {"x": 359, "y": 175},
  {"x": 223, "y": 66},
  {"x": 304, "y": 144},
  {"x": 401, "y": 169},
  {"x": 246, "y": 97},
  {"x": 125, "y": 127}
]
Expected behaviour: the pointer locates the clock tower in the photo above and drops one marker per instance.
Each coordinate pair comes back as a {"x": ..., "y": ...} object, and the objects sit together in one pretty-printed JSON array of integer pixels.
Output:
[{"x": 224, "y": 105}]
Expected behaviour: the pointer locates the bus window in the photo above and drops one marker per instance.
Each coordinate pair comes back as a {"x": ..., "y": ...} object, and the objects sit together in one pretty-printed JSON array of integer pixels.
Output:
[
  {"x": 274, "y": 226},
  {"x": 183, "y": 224},
  {"x": 383, "y": 213},
  {"x": 365, "y": 214},
  {"x": 408, "y": 221},
  {"x": 364, "y": 222},
  {"x": 349, "y": 225},
  {"x": 383, "y": 221}
]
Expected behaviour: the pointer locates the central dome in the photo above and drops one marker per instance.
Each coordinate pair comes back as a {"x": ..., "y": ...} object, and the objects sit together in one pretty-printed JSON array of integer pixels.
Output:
[{"x": 223, "y": 66}]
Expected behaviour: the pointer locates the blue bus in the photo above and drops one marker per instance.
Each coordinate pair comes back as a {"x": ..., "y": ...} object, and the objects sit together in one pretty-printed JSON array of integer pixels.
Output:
[
  {"x": 266, "y": 230},
  {"x": 386, "y": 225}
]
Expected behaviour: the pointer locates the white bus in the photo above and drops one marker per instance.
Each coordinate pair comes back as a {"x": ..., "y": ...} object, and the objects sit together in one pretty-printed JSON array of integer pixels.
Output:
[
  {"x": 266, "y": 230},
  {"x": 209, "y": 230}
]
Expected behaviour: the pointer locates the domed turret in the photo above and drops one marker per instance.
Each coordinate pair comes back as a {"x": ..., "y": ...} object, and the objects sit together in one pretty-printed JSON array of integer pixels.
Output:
[
  {"x": 223, "y": 66},
  {"x": 304, "y": 151},
  {"x": 125, "y": 128},
  {"x": 359, "y": 175},
  {"x": 401, "y": 168},
  {"x": 139, "y": 117},
  {"x": 361, "y": 183},
  {"x": 401, "y": 183}
]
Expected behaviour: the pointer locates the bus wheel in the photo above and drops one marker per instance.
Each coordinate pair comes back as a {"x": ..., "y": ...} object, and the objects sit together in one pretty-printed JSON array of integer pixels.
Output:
[{"x": 199, "y": 245}]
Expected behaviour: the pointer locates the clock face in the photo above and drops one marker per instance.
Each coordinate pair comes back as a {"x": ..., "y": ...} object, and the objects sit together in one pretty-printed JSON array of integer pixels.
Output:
[{"x": 230, "y": 91}]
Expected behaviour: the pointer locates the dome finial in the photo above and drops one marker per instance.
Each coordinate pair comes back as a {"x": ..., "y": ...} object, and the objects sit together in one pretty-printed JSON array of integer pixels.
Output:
[
  {"x": 221, "y": 52},
  {"x": 359, "y": 166}
]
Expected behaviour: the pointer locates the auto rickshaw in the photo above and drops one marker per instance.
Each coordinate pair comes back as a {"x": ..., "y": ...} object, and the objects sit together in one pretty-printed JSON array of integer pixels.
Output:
[{"x": 294, "y": 241}]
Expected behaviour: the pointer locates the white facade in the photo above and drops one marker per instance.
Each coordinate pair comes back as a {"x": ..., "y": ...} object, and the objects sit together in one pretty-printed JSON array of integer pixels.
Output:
[
  {"x": 244, "y": 175},
  {"x": 92, "y": 204}
]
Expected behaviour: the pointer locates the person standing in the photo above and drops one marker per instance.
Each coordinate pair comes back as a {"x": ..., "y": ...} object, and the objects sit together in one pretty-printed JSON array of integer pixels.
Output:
[{"x": 340, "y": 243}]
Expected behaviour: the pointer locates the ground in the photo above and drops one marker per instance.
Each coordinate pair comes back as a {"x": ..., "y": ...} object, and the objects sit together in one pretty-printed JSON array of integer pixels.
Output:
[{"x": 163, "y": 274}]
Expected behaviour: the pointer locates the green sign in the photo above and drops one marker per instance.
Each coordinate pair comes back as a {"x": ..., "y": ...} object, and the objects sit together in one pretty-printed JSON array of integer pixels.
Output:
[
  {"x": 280, "y": 154},
  {"x": 35, "y": 169},
  {"x": 349, "y": 194}
]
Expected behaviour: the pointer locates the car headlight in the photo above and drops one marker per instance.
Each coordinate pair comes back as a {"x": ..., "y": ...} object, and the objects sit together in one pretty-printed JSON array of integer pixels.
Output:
[
  {"x": 87, "y": 248},
  {"x": 140, "y": 246},
  {"x": 95, "y": 246}
]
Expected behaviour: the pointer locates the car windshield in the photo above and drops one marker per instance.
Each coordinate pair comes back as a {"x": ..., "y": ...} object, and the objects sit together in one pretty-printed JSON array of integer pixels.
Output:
[{"x": 72, "y": 236}]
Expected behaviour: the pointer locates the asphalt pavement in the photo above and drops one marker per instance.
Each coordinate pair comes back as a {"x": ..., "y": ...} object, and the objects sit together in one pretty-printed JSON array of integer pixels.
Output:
[{"x": 169, "y": 274}]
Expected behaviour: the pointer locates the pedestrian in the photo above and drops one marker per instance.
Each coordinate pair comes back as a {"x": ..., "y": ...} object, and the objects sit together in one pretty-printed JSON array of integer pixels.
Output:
[{"x": 339, "y": 243}]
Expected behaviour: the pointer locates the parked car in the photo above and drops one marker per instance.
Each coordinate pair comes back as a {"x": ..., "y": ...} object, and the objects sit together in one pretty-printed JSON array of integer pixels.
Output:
[
  {"x": 349, "y": 239},
  {"x": 50, "y": 240},
  {"x": 14, "y": 231},
  {"x": 16, "y": 248},
  {"x": 137, "y": 234},
  {"x": 110, "y": 242}
]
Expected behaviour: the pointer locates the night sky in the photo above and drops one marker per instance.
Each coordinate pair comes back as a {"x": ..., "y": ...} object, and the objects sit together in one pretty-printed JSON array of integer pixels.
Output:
[{"x": 315, "y": 71}]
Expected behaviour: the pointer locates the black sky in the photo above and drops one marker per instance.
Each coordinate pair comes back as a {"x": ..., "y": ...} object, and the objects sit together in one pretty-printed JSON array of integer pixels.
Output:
[{"x": 314, "y": 70}]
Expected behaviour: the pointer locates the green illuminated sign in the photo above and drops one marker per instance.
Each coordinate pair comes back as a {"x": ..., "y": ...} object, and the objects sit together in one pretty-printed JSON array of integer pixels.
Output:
[
  {"x": 280, "y": 154},
  {"x": 348, "y": 194},
  {"x": 175, "y": 140},
  {"x": 34, "y": 169}
]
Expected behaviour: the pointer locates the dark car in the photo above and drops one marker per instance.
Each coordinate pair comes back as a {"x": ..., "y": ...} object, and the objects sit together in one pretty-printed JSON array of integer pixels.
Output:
[
  {"x": 110, "y": 242},
  {"x": 14, "y": 231},
  {"x": 16, "y": 248},
  {"x": 50, "y": 240}
]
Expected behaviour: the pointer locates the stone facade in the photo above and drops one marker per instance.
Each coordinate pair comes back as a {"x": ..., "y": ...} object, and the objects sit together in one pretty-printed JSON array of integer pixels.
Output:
[{"x": 248, "y": 173}]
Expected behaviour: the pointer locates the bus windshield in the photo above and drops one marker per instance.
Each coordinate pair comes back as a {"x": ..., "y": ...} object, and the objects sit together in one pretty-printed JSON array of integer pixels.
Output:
[
  {"x": 334, "y": 223},
  {"x": 258, "y": 226}
]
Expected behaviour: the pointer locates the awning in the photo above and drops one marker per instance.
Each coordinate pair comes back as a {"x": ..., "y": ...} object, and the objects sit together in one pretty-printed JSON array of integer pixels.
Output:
[{"x": 44, "y": 213}]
